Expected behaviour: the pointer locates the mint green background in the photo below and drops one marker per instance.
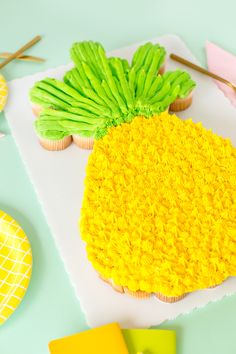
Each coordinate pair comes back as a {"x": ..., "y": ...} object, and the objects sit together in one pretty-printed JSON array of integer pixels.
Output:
[{"x": 50, "y": 308}]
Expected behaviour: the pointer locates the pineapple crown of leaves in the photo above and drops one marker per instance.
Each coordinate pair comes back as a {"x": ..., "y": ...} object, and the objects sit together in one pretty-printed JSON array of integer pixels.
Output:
[{"x": 101, "y": 92}]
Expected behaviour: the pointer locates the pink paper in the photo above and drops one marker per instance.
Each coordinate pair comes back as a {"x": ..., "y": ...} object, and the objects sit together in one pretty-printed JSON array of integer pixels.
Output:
[{"x": 223, "y": 64}]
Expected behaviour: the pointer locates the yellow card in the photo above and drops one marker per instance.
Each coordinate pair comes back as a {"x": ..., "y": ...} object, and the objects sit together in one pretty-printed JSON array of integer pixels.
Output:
[{"x": 102, "y": 340}]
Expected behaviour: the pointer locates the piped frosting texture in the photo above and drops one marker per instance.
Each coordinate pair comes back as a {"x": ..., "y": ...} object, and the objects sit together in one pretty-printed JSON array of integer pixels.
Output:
[
  {"x": 159, "y": 208},
  {"x": 183, "y": 79}
]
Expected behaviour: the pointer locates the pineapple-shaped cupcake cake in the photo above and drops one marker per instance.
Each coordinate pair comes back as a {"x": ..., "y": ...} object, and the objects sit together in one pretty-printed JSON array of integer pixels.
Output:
[{"x": 159, "y": 208}]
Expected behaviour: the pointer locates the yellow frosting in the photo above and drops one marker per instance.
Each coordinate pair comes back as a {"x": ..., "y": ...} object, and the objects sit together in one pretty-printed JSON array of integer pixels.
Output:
[{"x": 159, "y": 208}]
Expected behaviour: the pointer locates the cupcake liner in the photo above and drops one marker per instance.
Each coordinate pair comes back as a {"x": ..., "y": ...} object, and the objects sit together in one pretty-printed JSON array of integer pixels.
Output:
[
  {"x": 117, "y": 288},
  {"x": 37, "y": 109},
  {"x": 138, "y": 294},
  {"x": 169, "y": 299},
  {"x": 56, "y": 145},
  {"x": 142, "y": 295},
  {"x": 84, "y": 143},
  {"x": 111, "y": 282},
  {"x": 215, "y": 286},
  {"x": 104, "y": 279},
  {"x": 180, "y": 104}
]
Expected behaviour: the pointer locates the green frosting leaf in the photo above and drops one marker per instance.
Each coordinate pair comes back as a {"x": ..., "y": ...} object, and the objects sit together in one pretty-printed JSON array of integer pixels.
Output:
[
  {"x": 182, "y": 79},
  {"x": 101, "y": 92}
]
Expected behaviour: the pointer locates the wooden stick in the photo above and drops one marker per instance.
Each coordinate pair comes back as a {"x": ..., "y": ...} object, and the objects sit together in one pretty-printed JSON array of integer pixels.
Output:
[
  {"x": 202, "y": 70},
  {"x": 20, "y": 51},
  {"x": 23, "y": 57}
]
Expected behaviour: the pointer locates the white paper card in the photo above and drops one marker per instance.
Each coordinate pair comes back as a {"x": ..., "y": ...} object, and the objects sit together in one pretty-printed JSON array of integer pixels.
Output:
[{"x": 58, "y": 180}]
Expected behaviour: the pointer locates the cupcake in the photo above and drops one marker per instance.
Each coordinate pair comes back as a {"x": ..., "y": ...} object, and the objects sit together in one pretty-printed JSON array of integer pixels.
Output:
[
  {"x": 57, "y": 129},
  {"x": 116, "y": 287},
  {"x": 182, "y": 103},
  {"x": 51, "y": 135},
  {"x": 169, "y": 299},
  {"x": 54, "y": 103},
  {"x": 55, "y": 144},
  {"x": 152, "y": 51},
  {"x": 138, "y": 294},
  {"x": 48, "y": 93},
  {"x": 186, "y": 86},
  {"x": 83, "y": 142}
]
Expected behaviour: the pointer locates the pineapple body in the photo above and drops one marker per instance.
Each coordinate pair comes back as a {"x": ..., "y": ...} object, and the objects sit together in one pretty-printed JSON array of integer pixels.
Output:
[{"x": 159, "y": 208}]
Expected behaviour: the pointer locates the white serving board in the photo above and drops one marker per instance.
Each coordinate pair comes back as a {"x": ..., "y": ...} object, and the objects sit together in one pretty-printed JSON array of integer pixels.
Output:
[{"x": 58, "y": 180}]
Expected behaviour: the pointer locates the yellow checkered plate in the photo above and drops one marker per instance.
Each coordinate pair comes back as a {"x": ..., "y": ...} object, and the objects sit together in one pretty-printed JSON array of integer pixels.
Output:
[
  {"x": 15, "y": 265},
  {"x": 3, "y": 92}
]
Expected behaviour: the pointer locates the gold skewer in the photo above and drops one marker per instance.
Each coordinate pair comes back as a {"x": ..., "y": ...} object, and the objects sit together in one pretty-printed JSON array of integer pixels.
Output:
[
  {"x": 20, "y": 51},
  {"x": 16, "y": 54},
  {"x": 23, "y": 57},
  {"x": 202, "y": 70}
]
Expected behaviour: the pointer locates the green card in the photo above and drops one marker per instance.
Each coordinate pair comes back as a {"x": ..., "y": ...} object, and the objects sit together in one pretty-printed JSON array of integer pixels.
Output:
[{"x": 150, "y": 341}]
